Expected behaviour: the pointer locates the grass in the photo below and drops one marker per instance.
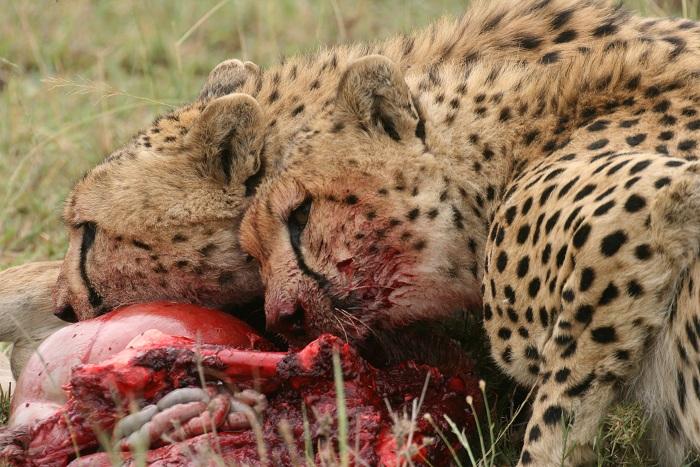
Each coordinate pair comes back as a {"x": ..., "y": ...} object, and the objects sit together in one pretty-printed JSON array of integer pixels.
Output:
[{"x": 78, "y": 78}]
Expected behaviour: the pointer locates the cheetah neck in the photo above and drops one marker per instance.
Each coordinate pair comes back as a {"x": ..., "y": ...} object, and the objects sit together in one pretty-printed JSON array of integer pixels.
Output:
[{"x": 494, "y": 119}]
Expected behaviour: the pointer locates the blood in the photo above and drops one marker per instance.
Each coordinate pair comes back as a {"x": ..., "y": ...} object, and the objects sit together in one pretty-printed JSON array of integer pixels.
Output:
[{"x": 300, "y": 388}]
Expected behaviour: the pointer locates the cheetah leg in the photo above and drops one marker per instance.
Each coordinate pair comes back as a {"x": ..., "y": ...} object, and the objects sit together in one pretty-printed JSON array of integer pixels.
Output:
[{"x": 581, "y": 377}]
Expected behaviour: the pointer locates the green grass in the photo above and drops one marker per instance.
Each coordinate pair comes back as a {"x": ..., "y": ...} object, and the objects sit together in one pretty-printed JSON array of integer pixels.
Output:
[{"x": 78, "y": 77}]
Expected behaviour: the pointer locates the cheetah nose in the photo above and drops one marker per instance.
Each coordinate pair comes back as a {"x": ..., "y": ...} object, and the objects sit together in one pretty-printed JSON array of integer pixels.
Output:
[
  {"x": 287, "y": 319},
  {"x": 66, "y": 313}
]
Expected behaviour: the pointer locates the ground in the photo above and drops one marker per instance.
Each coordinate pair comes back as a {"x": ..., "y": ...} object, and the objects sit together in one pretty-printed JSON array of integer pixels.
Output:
[{"x": 76, "y": 79}]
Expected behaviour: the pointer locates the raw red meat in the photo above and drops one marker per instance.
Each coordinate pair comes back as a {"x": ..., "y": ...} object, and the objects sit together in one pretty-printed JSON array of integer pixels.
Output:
[
  {"x": 153, "y": 365},
  {"x": 39, "y": 388}
]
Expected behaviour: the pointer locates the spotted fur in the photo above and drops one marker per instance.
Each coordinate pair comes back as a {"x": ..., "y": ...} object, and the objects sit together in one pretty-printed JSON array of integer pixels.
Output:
[{"x": 560, "y": 195}]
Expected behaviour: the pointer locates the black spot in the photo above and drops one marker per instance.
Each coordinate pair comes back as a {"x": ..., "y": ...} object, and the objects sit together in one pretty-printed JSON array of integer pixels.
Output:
[
  {"x": 630, "y": 183},
  {"x": 617, "y": 167},
  {"x": 587, "y": 278},
  {"x": 140, "y": 244},
  {"x": 413, "y": 214},
  {"x": 662, "y": 106},
  {"x": 581, "y": 235},
  {"x": 420, "y": 130},
  {"x": 634, "y": 289},
  {"x": 551, "y": 222},
  {"x": 598, "y": 125},
  {"x": 566, "y": 188},
  {"x": 637, "y": 139},
  {"x": 538, "y": 225},
  {"x": 568, "y": 295},
  {"x": 510, "y": 214},
  {"x": 612, "y": 243},
  {"x": 523, "y": 266},
  {"x": 643, "y": 252},
  {"x": 488, "y": 313},
  {"x": 609, "y": 294},
  {"x": 502, "y": 261},
  {"x": 605, "y": 29},
  {"x": 651, "y": 92},
  {"x": 582, "y": 387},
  {"x": 528, "y": 315},
  {"x": 565, "y": 36},
  {"x": 561, "y": 255},
  {"x": 507, "y": 355},
  {"x": 553, "y": 174},
  {"x": 687, "y": 145},
  {"x": 681, "y": 391},
  {"x": 549, "y": 58},
  {"x": 509, "y": 293},
  {"x": 523, "y": 233},
  {"x": 569, "y": 350},
  {"x": 561, "y": 18},
  {"x": 504, "y": 115},
  {"x": 666, "y": 135},
  {"x": 604, "y": 208},
  {"x": 639, "y": 166},
  {"x": 528, "y": 42},
  {"x": 351, "y": 199},
  {"x": 668, "y": 120},
  {"x": 512, "y": 315},
  {"x": 530, "y": 137},
  {"x": 534, "y": 287},
  {"x": 179, "y": 238},
  {"x": 544, "y": 317},
  {"x": 584, "y": 314},
  {"x": 546, "y": 193},
  {"x": 562, "y": 375},
  {"x": 635, "y": 203},
  {"x": 546, "y": 253},
  {"x": 604, "y": 335},
  {"x": 585, "y": 191},
  {"x": 629, "y": 123},
  {"x": 553, "y": 415},
  {"x": 694, "y": 125},
  {"x": 599, "y": 144},
  {"x": 504, "y": 333},
  {"x": 662, "y": 182}
]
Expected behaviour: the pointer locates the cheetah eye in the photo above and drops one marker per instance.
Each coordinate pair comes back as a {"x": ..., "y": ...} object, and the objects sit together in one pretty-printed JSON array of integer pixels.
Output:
[{"x": 300, "y": 216}]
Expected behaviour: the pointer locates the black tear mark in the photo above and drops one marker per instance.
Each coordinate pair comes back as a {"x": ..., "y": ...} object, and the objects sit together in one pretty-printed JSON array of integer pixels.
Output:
[{"x": 89, "y": 232}]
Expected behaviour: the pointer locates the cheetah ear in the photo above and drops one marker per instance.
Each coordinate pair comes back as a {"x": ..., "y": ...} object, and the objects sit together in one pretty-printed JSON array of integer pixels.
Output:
[
  {"x": 227, "y": 77},
  {"x": 373, "y": 90},
  {"x": 228, "y": 137}
]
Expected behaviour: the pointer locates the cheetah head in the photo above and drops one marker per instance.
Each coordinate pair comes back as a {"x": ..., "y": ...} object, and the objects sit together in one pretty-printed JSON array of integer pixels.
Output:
[
  {"x": 159, "y": 219},
  {"x": 349, "y": 237}
]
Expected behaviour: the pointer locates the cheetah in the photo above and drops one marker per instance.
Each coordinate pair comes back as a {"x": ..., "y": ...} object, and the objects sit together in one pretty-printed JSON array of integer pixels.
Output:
[
  {"x": 159, "y": 218},
  {"x": 560, "y": 197}
]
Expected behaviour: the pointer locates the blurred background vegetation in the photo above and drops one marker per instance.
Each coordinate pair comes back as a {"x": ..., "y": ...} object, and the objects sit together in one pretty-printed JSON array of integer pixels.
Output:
[{"x": 78, "y": 77}]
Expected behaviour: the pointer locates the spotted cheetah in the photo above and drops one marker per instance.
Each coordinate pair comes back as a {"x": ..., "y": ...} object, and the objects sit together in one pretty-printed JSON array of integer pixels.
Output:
[
  {"x": 561, "y": 197},
  {"x": 158, "y": 219}
]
